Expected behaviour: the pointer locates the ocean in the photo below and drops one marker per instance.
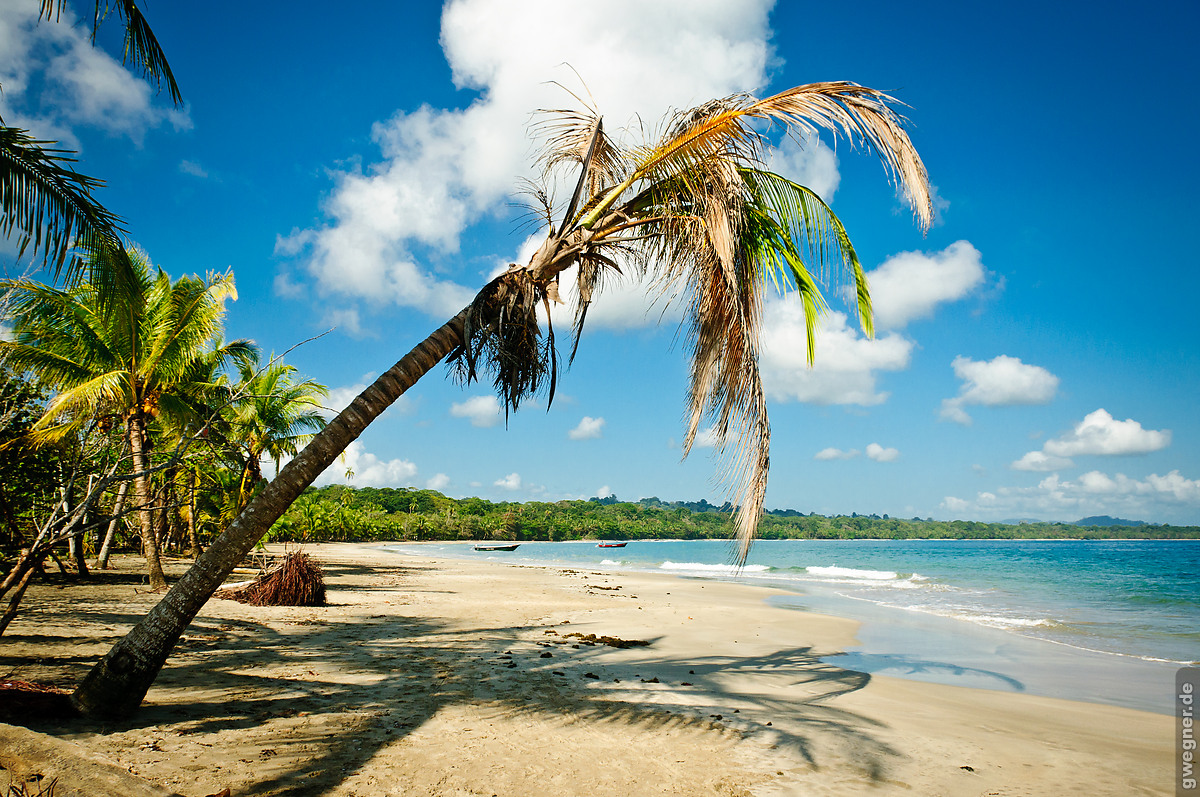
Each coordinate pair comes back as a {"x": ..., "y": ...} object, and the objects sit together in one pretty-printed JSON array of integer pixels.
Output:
[{"x": 1105, "y": 621}]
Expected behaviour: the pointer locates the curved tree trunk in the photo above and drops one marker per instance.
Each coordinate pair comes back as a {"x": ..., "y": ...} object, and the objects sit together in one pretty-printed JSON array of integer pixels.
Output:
[
  {"x": 117, "y": 684},
  {"x": 141, "y": 499}
]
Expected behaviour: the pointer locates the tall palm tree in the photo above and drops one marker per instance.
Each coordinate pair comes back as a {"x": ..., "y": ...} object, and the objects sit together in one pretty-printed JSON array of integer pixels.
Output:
[
  {"x": 694, "y": 210},
  {"x": 125, "y": 361},
  {"x": 272, "y": 415}
]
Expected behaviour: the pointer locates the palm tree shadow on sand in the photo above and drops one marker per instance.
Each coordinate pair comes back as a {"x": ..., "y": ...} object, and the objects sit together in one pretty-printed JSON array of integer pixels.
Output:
[{"x": 327, "y": 695}]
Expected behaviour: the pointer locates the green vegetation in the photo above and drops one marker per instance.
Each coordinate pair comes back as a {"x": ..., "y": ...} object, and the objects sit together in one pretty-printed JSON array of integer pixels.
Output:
[{"x": 370, "y": 514}]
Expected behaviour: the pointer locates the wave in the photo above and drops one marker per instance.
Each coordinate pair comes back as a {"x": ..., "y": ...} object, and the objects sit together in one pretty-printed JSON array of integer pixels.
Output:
[
  {"x": 700, "y": 567},
  {"x": 850, "y": 572}
]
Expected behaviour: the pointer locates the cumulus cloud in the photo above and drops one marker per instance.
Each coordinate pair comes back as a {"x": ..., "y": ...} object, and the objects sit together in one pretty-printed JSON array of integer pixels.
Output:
[
  {"x": 54, "y": 81},
  {"x": 588, "y": 428},
  {"x": 881, "y": 454},
  {"x": 441, "y": 170},
  {"x": 1099, "y": 433},
  {"x": 1038, "y": 461},
  {"x": 910, "y": 285},
  {"x": 829, "y": 454},
  {"x": 510, "y": 482},
  {"x": 847, "y": 364},
  {"x": 361, "y": 468},
  {"x": 1093, "y": 493},
  {"x": 1001, "y": 381},
  {"x": 809, "y": 162},
  {"x": 437, "y": 482},
  {"x": 481, "y": 411}
]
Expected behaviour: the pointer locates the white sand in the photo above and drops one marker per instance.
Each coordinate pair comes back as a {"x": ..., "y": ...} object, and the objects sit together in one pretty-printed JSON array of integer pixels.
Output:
[{"x": 431, "y": 677}]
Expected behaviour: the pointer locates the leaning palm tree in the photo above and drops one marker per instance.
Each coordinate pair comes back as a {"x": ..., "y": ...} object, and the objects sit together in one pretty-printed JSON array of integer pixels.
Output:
[
  {"x": 697, "y": 212},
  {"x": 123, "y": 361}
]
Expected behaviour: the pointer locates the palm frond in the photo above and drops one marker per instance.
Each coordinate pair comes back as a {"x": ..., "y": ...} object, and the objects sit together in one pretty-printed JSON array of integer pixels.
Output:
[
  {"x": 864, "y": 116},
  {"x": 141, "y": 45},
  {"x": 502, "y": 337},
  {"x": 49, "y": 204}
]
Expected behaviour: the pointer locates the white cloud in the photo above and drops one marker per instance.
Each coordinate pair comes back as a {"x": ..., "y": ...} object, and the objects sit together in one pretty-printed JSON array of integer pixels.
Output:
[
  {"x": 192, "y": 168},
  {"x": 881, "y": 454},
  {"x": 55, "y": 80},
  {"x": 1094, "y": 493},
  {"x": 603, "y": 492},
  {"x": 1040, "y": 462},
  {"x": 482, "y": 411},
  {"x": 910, "y": 285},
  {"x": 1099, "y": 433},
  {"x": 828, "y": 454},
  {"x": 510, "y": 482},
  {"x": 846, "y": 366},
  {"x": 437, "y": 482},
  {"x": 368, "y": 470},
  {"x": 1001, "y": 381},
  {"x": 705, "y": 438},
  {"x": 588, "y": 429},
  {"x": 810, "y": 163},
  {"x": 443, "y": 169}
]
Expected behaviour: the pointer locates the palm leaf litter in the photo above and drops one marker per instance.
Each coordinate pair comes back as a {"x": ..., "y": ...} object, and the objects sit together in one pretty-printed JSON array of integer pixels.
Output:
[{"x": 296, "y": 581}]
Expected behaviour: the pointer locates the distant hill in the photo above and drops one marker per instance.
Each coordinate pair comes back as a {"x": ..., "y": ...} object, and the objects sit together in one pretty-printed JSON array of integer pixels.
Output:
[{"x": 1105, "y": 520}]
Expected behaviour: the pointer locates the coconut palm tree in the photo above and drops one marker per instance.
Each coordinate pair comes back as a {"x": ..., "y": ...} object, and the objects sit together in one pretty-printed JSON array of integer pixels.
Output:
[
  {"x": 696, "y": 212},
  {"x": 272, "y": 414},
  {"x": 123, "y": 361}
]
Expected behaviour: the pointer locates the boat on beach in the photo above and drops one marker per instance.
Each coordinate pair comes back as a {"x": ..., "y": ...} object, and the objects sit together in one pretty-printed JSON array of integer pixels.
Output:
[
  {"x": 611, "y": 544},
  {"x": 510, "y": 547}
]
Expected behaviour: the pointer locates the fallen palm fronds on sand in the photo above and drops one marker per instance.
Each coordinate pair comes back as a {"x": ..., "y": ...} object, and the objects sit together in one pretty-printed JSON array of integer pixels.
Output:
[{"x": 296, "y": 581}]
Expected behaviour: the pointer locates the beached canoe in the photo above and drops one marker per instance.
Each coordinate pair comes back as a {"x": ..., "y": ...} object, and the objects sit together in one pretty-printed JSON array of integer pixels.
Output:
[{"x": 511, "y": 547}]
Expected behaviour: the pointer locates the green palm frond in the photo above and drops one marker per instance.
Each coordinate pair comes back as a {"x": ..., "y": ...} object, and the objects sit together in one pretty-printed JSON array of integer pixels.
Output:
[
  {"x": 141, "y": 46},
  {"x": 49, "y": 204}
]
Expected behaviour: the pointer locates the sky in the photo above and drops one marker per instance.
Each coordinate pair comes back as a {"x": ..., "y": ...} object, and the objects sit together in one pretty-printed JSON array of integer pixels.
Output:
[{"x": 361, "y": 174}]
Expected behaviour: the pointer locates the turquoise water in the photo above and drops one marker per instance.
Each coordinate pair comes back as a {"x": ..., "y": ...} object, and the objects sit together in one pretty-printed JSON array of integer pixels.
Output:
[{"x": 1105, "y": 621}]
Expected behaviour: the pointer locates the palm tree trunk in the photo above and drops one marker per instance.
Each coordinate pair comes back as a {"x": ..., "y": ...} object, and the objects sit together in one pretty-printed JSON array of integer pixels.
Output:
[
  {"x": 117, "y": 684},
  {"x": 111, "y": 533},
  {"x": 141, "y": 497}
]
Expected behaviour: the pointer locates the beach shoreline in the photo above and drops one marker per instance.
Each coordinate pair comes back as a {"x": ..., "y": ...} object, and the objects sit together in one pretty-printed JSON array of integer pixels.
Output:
[{"x": 432, "y": 676}]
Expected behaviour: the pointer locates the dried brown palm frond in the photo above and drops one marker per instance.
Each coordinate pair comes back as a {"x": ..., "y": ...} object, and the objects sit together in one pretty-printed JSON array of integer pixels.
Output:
[
  {"x": 502, "y": 336},
  {"x": 697, "y": 212},
  {"x": 296, "y": 581}
]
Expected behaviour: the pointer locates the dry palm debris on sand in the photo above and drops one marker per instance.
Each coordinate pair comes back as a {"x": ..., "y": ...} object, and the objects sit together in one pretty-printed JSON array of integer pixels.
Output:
[
  {"x": 22, "y": 700},
  {"x": 295, "y": 581}
]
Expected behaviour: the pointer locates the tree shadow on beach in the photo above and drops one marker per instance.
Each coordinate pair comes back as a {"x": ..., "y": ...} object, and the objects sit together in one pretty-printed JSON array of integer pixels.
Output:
[{"x": 326, "y": 695}]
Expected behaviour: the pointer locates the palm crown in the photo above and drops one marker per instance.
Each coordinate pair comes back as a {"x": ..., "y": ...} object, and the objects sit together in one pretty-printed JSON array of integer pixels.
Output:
[{"x": 697, "y": 214}]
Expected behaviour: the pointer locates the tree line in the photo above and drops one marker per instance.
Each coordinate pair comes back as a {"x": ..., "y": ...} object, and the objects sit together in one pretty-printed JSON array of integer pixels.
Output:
[{"x": 341, "y": 513}]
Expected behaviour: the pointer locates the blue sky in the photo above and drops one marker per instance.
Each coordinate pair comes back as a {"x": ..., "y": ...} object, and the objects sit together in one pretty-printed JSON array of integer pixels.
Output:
[{"x": 1035, "y": 354}]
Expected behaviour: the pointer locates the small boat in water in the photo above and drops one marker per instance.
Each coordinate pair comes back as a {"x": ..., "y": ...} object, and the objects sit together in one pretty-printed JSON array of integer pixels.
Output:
[
  {"x": 611, "y": 544},
  {"x": 511, "y": 547}
]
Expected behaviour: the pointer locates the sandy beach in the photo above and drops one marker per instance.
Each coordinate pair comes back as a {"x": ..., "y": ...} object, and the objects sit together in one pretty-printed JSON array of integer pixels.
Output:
[{"x": 448, "y": 677}]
